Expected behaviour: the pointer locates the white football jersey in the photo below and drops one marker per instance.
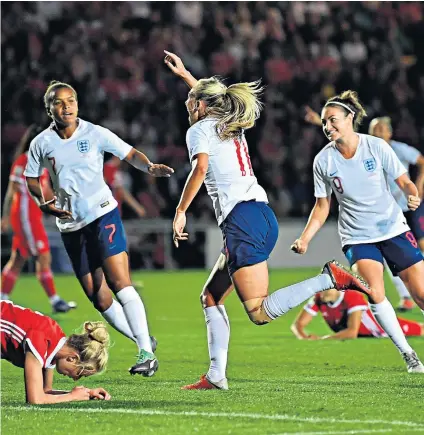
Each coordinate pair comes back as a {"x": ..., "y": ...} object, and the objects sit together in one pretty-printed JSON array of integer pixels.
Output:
[
  {"x": 367, "y": 210},
  {"x": 408, "y": 156},
  {"x": 76, "y": 169},
  {"x": 230, "y": 178}
]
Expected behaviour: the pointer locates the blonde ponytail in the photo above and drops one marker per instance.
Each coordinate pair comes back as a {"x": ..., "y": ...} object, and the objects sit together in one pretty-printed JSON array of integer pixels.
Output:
[
  {"x": 236, "y": 108},
  {"x": 92, "y": 346}
]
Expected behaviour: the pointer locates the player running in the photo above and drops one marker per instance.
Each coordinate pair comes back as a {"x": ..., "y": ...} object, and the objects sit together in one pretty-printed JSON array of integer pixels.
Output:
[
  {"x": 372, "y": 227},
  {"x": 37, "y": 344},
  {"x": 219, "y": 155},
  {"x": 348, "y": 315},
  {"x": 22, "y": 214},
  {"x": 87, "y": 216},
  {"x": 382, "y": 127}
]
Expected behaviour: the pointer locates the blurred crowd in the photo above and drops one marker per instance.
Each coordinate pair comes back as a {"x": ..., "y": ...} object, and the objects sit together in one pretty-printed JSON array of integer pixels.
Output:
[{"x": 305, "y": 52}]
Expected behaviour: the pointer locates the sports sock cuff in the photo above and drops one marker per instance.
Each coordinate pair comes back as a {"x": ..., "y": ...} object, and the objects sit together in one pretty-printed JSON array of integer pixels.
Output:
[{"x": 127, "y": 294}]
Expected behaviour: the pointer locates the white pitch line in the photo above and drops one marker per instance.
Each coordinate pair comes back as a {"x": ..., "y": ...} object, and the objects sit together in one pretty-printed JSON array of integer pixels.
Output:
[
  {"x": 347, "y": 432},
  {"x": 276, "y": 417}
]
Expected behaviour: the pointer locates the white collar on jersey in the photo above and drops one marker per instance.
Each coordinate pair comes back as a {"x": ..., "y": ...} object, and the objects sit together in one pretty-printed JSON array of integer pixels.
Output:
[{"x": 336, "y": 303}]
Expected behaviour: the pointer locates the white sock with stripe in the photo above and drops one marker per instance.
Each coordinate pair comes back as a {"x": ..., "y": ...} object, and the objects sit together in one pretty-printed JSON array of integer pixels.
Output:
[
  {"x": 218, "y": 330},
  {"x": 115, "y": 316},
  {"x": 136, "y": 316},
  {"x": 386, "y": 317}
]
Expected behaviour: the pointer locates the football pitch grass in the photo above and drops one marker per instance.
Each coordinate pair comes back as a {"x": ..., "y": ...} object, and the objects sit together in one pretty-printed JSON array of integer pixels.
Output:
[{"x": 278, "y": 384}]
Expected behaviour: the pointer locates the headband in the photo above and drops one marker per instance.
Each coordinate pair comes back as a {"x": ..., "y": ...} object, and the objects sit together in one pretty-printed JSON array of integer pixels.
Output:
[{"x": 341, "y": 104}]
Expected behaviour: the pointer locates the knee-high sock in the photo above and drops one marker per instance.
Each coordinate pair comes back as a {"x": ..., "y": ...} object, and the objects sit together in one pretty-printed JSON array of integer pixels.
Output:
[
  {"x": 115, "y": 316},
  {"x": 8, "y": 280},
  {"x": 46, "y": 280},
  {"x": 286, "y": 298},
  {"x": 136, "y": 316},
  {"x": 386, "y": 317},
  {"x": 218, "y": 330}
]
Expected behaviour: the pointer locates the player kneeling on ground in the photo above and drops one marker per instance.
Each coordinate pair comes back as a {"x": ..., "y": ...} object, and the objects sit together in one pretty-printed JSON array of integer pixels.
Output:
[
  {"x": 37, "y": 344},
  {"x": 348, "y": 315}
]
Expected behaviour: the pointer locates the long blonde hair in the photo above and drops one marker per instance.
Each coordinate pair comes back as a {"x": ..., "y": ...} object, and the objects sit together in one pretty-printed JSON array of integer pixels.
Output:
[
  {"x": 236, "y": 107},
  {"x": 92, "y": 346}
]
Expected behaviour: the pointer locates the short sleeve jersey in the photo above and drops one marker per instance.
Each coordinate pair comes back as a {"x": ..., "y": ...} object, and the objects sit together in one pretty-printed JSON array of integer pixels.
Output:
[
  {"x": 76, "y": 169},
  {"x": 408, "y": 156},
  {"x": 23, "y": 329},
  {"x": 367, "y": 210},
  {"x": 229, "y": 178},
  {"x": 23, "y": 206},
  {"x": 336, "y": 314}
]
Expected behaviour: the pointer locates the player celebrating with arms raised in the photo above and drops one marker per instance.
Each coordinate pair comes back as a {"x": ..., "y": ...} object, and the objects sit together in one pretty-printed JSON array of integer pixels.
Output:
[
  {"x": 372, "y": 227},
  {"x": 219, "y": 155},
  {"x": 38, "y": 345},
  {"x": 87, "y": 216}
]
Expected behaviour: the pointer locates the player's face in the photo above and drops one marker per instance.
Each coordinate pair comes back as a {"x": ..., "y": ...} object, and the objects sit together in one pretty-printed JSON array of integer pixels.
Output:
[
  {"x": 330, "y": 295},
  {"x": 64, "y": 107},
  {"x": 382, "y": 131},
  {"x": 335, "y": 123},
  {"x": 67, "y": 367}
]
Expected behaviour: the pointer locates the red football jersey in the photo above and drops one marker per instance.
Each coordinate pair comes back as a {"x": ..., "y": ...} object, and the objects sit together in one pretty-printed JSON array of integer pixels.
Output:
[
  {"x": 23, "y": 206},
  {"x": 113, "y": 178},
  {"x": 22, "y": 329},
  {"x": 336, "y": 314}
]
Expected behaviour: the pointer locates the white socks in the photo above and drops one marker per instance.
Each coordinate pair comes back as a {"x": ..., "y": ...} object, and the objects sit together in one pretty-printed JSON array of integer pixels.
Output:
[
  {"x": 386, "y": 317},
  {"x": 283, "y": 300},
  {"x": 115, "y": 316},
  {"x": 135, "y": 314},
  {"x": 400, "y": 287},
  {"x": 218, "y": 330}
]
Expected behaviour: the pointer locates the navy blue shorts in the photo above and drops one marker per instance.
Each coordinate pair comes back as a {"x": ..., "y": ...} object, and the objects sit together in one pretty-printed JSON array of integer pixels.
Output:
[
  {"x": 91, "y": 245},
  {"x": 415, "y": 220},
  {"x": 400, "y": 252},
  {"x": 250, "y": 232}
]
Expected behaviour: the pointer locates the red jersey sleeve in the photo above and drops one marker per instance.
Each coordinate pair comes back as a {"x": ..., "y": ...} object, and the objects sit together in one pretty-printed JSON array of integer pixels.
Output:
[
  {"x": 17, "y": 171},
  {"x": 355, "y": 301},
  {"x": 312, "y": 306}
]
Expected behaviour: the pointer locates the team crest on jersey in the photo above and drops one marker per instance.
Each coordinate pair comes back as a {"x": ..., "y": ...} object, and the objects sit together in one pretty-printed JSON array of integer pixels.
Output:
[
  {"x": 370, "y": 164},
  {"x": 83, "y": 146}
]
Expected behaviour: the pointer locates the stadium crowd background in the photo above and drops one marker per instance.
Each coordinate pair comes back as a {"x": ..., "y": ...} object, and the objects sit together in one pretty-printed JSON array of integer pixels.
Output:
[{"x": 305, "y": 52}]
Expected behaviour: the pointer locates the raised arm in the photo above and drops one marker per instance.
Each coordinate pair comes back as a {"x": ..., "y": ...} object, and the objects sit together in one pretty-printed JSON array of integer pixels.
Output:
[
  {"x": 317, "y": 218},
  {"x": 175, "y": 64},
  {"x": 312, "y": 117}
]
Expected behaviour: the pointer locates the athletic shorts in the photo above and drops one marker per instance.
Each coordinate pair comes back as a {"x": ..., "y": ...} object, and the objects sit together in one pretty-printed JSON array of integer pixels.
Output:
[
  {"x": 415, "y": 220},
  {"x": 250, "y": 232},
  {"x": 400, "y": 252},
  {"x": 89, "y": 246},
  {"x": 29, "y": 238}
]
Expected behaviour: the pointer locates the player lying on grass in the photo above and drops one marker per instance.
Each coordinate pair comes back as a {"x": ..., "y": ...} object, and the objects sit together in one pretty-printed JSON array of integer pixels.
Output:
[
  {"x": 372, "y": 228},
  {"x": 348, "y": 315},
  {"x": 219, "y": 155},
  {"x": 37, "y": 344}
]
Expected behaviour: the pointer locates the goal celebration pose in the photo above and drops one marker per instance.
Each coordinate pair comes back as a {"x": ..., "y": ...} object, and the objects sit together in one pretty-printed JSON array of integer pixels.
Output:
[
  {"x": 372, "y": 227},
  {"x": 87, "y": 215},
  {"x": 37, "y": 344},
  {"x": 219, "y": 155}
]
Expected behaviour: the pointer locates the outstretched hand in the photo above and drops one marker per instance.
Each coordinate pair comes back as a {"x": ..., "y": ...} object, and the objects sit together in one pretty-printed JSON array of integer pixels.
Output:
[
  {"x": 159, "y": 170},
  {"x": 174, "y": 63},
  {"x": 178, "y": 227}
]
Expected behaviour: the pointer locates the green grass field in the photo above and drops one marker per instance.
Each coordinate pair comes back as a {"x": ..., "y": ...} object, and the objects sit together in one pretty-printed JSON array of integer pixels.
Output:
[{"x": 278, "y": 384}]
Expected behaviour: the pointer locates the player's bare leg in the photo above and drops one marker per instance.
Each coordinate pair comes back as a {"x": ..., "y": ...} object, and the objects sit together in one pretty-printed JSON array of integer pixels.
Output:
[
  {"x": 413, "y": 277},
  {"x": 45, "y": 277},
  {"x": 116, "y": 270},
  {"x": 10, "y": 273},
  {"x": 218, "y": 286},
  {"x": 372, "y": 271}
]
